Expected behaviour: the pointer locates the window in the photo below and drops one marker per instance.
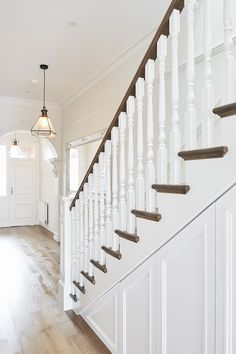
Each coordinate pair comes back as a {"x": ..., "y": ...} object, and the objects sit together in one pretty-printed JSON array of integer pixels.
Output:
[
  {"x": 3, "y": 162},
  {"x": 74, "y": 169},
  {"x": 80, "y": 156},
  {"x": 22, "y": 152}
]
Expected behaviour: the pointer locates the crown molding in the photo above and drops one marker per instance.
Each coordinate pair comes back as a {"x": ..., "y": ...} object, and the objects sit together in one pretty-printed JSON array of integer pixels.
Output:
[
  {"x": 27, "y": 102},
  {"x": 121, "y": 56}
]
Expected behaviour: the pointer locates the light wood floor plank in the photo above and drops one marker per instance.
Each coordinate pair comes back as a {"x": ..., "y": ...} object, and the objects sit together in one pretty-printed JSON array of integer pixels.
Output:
[{"x": 31, "y": 321}]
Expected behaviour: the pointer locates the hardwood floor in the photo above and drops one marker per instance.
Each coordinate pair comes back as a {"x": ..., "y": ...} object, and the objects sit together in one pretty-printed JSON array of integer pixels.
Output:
[{"x": 31, "y": 321}]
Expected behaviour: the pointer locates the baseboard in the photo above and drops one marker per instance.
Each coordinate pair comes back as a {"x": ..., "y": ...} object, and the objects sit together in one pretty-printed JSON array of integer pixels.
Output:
[
  {"x": 50, "y": 232},
  {"x": 87, "y": 331}
]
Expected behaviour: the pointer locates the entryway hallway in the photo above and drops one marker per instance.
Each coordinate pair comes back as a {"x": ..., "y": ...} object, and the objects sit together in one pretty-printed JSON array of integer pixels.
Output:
[{"x": 31, "y": 320}]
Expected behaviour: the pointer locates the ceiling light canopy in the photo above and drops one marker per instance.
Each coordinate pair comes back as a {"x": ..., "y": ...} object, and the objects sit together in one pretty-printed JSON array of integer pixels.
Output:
[{"x": 43, "y": 128}]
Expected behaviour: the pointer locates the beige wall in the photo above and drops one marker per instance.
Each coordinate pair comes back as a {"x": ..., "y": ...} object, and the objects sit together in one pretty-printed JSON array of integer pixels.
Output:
[{"x": 94, "y": 109}]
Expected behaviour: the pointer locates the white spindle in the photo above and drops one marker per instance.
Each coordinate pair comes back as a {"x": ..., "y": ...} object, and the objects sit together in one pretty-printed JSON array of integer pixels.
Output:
[
  {"x": 228, "y": 48},
  {"x": 208, "y": 99},
  {"x": 77, "y": 212},
  {"x": 115, "y": 214},
  {"x": 122, "y": 205},
  {"x": 96, "y": 216},
  {"x": 131, "y": 191},
  {"x": 140, "y": 199},
  {"x": 82, "y": 258},
  {"x": 73, "y": 249},
  {"x": 162, "y": 150},
  {"x": 150, "y": 173},
  {"x": 91, "y": 223},
  {"x": 175, "y": 137},
  {"x": 190, "y": 118},
  {"x": 102, "y": 206},
  {"x": 108, "y": 193},
  {"x": 86, "y": 229}
]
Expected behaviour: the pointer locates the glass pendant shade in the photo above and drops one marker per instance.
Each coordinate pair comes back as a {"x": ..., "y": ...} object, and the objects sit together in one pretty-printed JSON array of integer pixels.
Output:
[
  {"x": 14, "y": 149},
  {"x": 43, "y": 128}
]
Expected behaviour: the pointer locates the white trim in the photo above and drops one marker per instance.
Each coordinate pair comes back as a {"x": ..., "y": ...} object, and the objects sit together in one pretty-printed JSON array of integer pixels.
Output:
[
  {"x": 121, "y": 56},
  {"x": 86, "y": 139},
  {"x": 27, "y": 102}
]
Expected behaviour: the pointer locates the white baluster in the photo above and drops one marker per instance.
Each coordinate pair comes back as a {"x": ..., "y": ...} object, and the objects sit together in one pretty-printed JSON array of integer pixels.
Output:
[
  {"x": 228, "y": 49},
  {"x": 150, "y": 173},
  {"x": 86, "y": 229},
  {"x": 77, "y": 213},
  {"x": 108, "y": 193},
  {"x": 175, "y": 137},
  {"x": 131, "y": 191},
  {"x": 122, "y": 205},
  {"x": 208, "y": 99},
  {"x": 91, "y": 223},
  {"x": 190, "y": 117},
  {"x": 162, "y": 150},
  {"x": 73, "y": 250},
  {"x": 96, "y": 220},
  {"x": 140, "y": 199},
  {"x": 115, "y": 214},
  {"x": 82, "y": 258},
  {"x": 102, "y": 206}
]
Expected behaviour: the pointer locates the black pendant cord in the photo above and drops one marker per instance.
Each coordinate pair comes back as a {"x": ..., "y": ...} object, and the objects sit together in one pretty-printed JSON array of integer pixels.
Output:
[{"x": 44, "y": 88}]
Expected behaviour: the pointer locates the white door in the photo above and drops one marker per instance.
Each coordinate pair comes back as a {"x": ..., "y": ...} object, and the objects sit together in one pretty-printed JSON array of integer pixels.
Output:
[
  {"x": 22, "y": 192},
  {"x": 186, "y": 290},
  {"x": 226, "y": 273}
]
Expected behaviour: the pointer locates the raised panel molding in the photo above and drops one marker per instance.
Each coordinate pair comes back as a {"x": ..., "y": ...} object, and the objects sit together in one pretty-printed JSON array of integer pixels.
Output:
[
  {"x": 102, "y": 317},
  {"x": 226, "y": 273},
  {"x": 138, "y": 310},
  {"x": 186, "y": 290}
]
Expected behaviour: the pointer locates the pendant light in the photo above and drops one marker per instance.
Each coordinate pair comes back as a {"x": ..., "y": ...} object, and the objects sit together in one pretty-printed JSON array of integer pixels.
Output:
[
  {"x": 14, "y": 149},
  {"x": 43, "y": 127}
]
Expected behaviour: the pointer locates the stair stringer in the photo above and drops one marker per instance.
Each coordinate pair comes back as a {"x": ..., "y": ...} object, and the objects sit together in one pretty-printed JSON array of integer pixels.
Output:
[{"x": 208, "y": 180}]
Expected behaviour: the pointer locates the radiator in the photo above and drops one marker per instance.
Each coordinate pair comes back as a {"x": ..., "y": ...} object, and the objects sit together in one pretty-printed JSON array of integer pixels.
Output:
[{"x": 43, "y": 213}]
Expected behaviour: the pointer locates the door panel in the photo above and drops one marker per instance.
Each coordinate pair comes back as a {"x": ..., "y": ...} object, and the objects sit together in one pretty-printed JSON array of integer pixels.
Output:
[
  {"x": 186, "y": 290},
  {"x": 138, "y": 310},
  {"x": 226, "y": 273},
  {"x": 22, "y": 198}
]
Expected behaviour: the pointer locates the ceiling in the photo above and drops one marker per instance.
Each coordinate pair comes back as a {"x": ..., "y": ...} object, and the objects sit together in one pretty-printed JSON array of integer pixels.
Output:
[{"x": 74, "y": 37}]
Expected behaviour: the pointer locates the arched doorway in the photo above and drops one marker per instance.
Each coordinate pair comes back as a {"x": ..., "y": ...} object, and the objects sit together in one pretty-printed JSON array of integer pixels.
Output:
[{"x": 27, "y": 181}]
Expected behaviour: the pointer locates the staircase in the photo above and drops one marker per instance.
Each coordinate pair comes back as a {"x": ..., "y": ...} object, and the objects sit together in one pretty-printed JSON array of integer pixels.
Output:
[{"x": 166, "y": 155}]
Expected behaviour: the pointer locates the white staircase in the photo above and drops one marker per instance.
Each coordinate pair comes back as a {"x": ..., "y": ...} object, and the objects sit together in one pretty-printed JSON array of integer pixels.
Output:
[{"x": 166, "y": 157}]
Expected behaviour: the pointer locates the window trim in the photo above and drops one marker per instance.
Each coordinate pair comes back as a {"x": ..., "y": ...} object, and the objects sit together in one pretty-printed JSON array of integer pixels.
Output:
[{"x": 73, "y": 144}]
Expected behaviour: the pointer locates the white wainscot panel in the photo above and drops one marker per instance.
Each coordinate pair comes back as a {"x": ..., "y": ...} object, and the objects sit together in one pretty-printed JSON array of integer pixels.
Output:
[
  {"x": 226, "y": 273},
  {"x": 138, "y": 310},
  {"x": 102, "y": 317},
  {"x": 186, "y": 290}
]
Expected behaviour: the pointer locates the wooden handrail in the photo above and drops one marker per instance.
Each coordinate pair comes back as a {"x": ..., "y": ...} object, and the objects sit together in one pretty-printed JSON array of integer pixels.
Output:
[{"x": 150, "y": 54}]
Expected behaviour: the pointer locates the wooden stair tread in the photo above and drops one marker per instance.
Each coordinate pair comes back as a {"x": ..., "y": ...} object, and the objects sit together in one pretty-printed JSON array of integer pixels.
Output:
[
  {"x": 101, "y": 267},
  {"x": 171, "y": 188},
  {"x": 81, "y": 288},
  {"x": 74, "y": 297},
  {"x": 127, "y": 236},
  {"x": 226, "y": 110},
  {"x": 208, "y": 153},
  {"x": 146, "y": 215},
  {"x": 88, "y": 277},
  {"x": 111, "y": 252}
]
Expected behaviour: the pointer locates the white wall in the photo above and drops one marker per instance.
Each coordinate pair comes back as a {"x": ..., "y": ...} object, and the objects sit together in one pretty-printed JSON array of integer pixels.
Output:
[
  {"x": 48, "y": 185},
  {"x": 94, "y": 110},
  {"x": 18, "y": 114}
]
